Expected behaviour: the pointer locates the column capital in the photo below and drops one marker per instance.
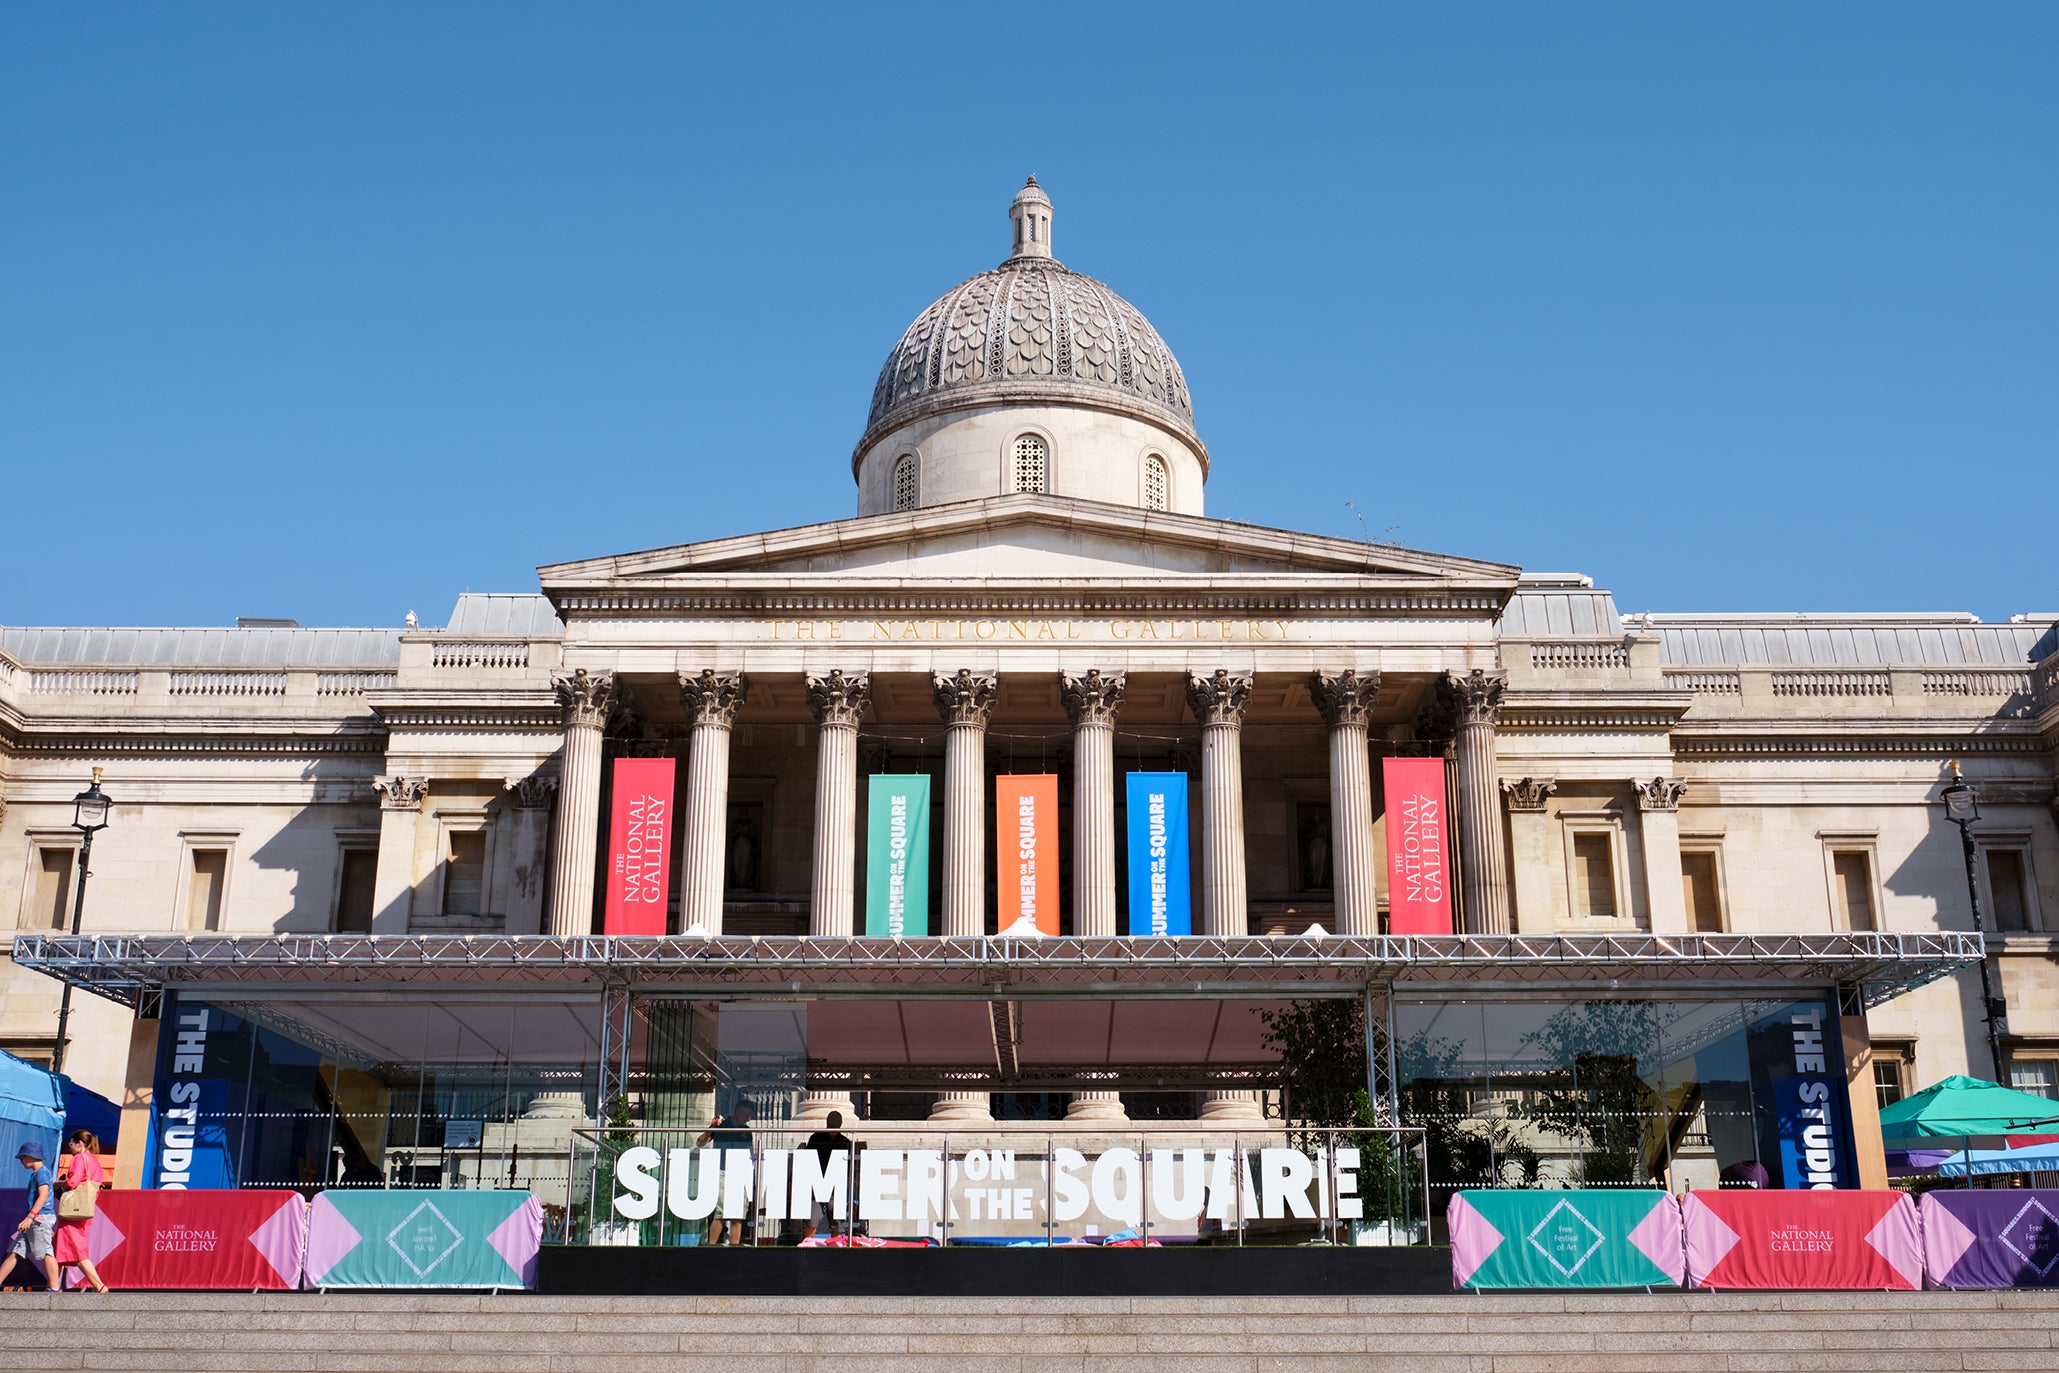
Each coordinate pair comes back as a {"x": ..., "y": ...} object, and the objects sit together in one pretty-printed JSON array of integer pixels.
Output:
[
  {"x": 1344, "y": 698},
  {"x": 1660, "y": 793},
  {"x": 713, "y": 698},
  {"x": 1092, "y": 698},
  {"x": 839, "y": 700},
  {"x": 533, "y": 792},
  {"x": 1219, "y": 699},
  {"x": 1528, "y": 793},
  {"x": 585, "y": 697},
  {"x": 966, "y": 697},
  {"x": 400, "y": 793},
  {"x": 1477, "y": 695}
]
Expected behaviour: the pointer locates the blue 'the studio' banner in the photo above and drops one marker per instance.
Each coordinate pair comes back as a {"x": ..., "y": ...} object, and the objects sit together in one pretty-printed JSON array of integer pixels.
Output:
[{"x": 1161, "y": 901}]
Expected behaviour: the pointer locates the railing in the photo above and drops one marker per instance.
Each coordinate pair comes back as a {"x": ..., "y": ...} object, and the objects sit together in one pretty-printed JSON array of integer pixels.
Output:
[
  {"x": 1975, "y": 682},
  {"x": 1579, "y": 655},
  {"x": 83, "y": 682},
  {"x": 1705, "y": 681},
  {"x": 353, "y": 683},
  {"x": 478, "y": 654},
  {"x": 1833, "y": 683},
  {"x": 242, "y": 684},
  {"x": 1007, "y": 1183}
]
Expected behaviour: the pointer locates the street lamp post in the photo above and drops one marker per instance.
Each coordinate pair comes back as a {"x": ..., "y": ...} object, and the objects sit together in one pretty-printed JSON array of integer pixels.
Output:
[
  {"x": 1962, "y": 807},
  {"x": 90, "y": 809}
]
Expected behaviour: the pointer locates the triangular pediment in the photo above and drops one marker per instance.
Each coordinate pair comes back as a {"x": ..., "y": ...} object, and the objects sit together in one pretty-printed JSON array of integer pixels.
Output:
[{"x": 1026, "y": 539}]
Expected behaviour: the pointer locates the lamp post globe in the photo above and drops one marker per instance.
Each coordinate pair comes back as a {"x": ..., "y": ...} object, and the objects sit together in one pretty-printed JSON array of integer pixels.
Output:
[{"x": 90, "y": 811}]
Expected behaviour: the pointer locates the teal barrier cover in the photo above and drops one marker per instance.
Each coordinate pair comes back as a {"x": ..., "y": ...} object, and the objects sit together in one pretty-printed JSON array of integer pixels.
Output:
[
  {"x": 423, "y": 1239},
  {"x": 1628, "y": 1238}
]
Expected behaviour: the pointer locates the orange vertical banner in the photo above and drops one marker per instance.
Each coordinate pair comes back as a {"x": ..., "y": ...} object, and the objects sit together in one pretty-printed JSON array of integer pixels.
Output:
[{"x": 1026, "y": 849}]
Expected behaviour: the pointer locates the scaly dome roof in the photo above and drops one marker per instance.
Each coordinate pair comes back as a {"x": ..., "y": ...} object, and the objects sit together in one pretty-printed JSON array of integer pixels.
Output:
[{"x": 1030, "y": 331}]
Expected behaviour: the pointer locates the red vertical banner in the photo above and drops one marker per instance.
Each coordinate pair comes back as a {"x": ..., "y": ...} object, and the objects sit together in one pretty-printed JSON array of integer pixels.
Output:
[
  {"x": 1418, "y": 853},
  {"x": 1026, "y": 849},
  {"x": 639, "y": 847}
]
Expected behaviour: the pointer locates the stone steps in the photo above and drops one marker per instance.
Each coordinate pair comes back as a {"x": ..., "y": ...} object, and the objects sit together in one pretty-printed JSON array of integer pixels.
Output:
[{"x": 362, "y": 1333}]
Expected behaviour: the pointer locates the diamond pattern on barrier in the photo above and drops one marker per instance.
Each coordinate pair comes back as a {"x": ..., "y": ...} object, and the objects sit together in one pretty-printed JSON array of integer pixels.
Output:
[
  {"x": 1549, "y": 1249},
  {"x": 423, "y": 1238},
  {"x": 2033, "y": 1237}
]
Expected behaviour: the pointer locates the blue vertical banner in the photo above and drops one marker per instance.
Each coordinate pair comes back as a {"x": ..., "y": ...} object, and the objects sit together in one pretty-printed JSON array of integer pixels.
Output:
[{"x": 1161, "y": 897}]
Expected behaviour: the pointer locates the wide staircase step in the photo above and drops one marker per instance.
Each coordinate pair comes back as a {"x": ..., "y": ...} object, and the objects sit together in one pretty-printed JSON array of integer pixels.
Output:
[{"x": 364, "y": 1333}]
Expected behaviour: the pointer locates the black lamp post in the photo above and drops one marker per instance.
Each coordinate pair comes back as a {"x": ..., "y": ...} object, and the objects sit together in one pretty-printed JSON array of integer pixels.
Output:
[
  {"x": 1962, "y": 807},
  {"x": 90, "y": 809}
]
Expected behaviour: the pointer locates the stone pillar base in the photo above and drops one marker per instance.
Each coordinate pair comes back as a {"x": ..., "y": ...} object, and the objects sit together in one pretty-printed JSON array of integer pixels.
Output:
[
  {"x": 816, "y": 1106},
  {"x": 962, "y": 1108},
  {"x": 1232, "y": 1108},
  {"x": 1096, "y": 1107}
]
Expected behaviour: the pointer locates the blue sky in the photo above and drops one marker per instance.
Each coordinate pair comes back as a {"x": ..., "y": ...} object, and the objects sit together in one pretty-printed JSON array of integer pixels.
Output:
[{"x": 334, "y": 311}]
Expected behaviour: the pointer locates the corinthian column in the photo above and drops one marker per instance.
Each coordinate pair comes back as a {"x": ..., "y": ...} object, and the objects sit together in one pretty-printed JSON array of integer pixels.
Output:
[
  {"x": 1091, "y": 702},
  {"x": 1484, "y": 873},
  {"x": 965, "y": 699},
  {"x": 712, "y": 700},
  {"x": 837, "y": 703},
  {"x": 1346, "y": 701},
  {"x": 586, "y": 698},
  {"x": 1218, "y": 702}
]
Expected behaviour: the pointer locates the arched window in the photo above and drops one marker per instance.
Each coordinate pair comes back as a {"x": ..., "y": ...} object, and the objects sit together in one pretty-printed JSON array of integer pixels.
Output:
[
  {"x": 1031, "y": 459},
  {"x": 904, "y": 482},
  {"x": 1157, "y": 485}
]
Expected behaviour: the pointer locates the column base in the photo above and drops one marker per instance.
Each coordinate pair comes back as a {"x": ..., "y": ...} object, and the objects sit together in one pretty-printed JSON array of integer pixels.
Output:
[
  {"x": 1231, "y": 1108},
  {"x": 815, "y": 1108},
  {"x": 962, "y": 1108},
  {"x": 1096, "y": 1107}
]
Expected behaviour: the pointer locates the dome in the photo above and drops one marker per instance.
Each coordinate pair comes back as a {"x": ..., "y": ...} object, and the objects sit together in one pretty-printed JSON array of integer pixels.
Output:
[{"x": 1030, "y": 332}]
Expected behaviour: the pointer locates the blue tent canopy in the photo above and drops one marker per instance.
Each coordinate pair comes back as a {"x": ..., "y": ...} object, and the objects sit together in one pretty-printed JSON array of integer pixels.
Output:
[
  {"x": 31, "y": 1107},
  {"x": 2032, "y": 1158}
]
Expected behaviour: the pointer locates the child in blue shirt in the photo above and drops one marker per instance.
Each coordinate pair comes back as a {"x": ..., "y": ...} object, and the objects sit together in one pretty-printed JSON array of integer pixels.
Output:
[{"x": 36, "y": 1233}]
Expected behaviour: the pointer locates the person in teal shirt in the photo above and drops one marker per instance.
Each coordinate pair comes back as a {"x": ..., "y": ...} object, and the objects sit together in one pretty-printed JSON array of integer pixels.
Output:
[{"x": 35, "y": 1235}]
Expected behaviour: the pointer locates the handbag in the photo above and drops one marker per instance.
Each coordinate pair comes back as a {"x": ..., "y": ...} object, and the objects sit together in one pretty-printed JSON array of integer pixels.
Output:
[{"x": 79, "y": 1203}]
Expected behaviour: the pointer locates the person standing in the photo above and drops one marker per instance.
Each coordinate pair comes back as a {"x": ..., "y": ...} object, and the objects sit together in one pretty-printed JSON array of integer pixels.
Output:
[
  {"x": 82, "y": 1180},
  {"x": 826, "y": 1143},
  {"x": 34, "y": 1236},
  {"x": 731, "y": 1136}
]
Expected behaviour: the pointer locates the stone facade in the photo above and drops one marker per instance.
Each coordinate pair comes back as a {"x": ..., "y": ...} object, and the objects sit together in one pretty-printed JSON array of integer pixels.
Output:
[{"x": 1614, "y": 773}]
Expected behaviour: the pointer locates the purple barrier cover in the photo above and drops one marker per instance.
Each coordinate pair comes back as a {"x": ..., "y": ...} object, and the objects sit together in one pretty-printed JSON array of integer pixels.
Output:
[{"x": 2003, "y": 1238}]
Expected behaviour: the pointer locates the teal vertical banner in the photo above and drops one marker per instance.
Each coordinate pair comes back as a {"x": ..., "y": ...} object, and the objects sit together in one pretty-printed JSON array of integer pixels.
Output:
[
  {"x": 897, "y": 856},
  {"x": 1161, "y": 898}
]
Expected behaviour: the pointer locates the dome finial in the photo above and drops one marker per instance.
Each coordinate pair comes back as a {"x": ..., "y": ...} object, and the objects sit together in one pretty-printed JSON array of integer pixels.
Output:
[{"x": 1031, "y": 212}]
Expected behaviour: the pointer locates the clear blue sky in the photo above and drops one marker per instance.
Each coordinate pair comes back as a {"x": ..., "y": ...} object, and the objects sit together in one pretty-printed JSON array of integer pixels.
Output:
[{"x": 336, "y": 310}]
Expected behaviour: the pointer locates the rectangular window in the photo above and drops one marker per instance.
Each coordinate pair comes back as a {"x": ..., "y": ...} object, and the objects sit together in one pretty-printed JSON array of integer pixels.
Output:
[
  {"x": 204, "y": 896},
  {"x": 1594, "y": 877},
  {"x": 464, "y": 882},
  {"x": 1889, "y": 1082},
  {"x": 50, "y": 905},
  {"x": 1704, "y": 905},
  {"x": 1852, "y": 876},
  {"x": 2038, "y": 1076},
  {"x": 354, "y": 894},
  {"x": 2009, "y": 890}
]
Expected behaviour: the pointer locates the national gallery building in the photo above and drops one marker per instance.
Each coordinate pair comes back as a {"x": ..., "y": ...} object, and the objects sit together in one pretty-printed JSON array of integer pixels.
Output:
[{"x": 1032, "y": 802}]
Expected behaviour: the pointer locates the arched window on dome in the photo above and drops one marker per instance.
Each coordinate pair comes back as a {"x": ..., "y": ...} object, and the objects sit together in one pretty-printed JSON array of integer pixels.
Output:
[
  {"x": 1157, "y": 484},
  {"x": 904, "y": 482},
  {"x": 1032, "y": 460}
]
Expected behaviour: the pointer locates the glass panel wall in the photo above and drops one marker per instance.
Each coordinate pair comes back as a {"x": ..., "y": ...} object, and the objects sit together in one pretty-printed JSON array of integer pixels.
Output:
[{"x": 1625, "y": 1092}]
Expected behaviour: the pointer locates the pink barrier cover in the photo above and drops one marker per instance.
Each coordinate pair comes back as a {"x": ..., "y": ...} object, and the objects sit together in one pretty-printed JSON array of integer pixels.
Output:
[
  {"x": 1802, "y": 1239},
  {"x": 238, "y": 1240}
]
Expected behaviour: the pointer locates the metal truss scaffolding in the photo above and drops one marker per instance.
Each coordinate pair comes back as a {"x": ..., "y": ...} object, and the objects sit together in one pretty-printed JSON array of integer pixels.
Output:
[{"x": 128, "y": 968}]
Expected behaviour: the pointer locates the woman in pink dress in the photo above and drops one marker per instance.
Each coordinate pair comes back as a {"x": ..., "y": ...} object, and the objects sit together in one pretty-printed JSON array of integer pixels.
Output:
[{"x": 73, "y": 1247}]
